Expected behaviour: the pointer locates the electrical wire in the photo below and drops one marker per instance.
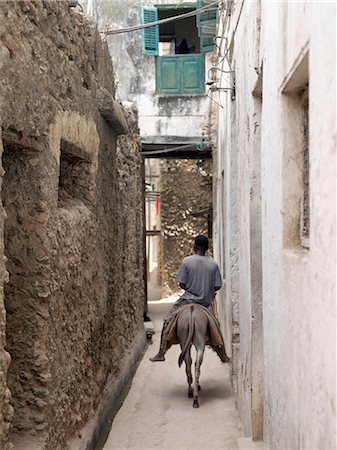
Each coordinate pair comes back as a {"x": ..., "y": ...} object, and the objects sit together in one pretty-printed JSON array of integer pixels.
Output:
[
  {"x": 225, "y": 8},
  {"x": 237, "y": 22},
  {"x": 222, "y": 58},
  {"x": 232, "y": 38},
  {"x": 159, "y": 22}
]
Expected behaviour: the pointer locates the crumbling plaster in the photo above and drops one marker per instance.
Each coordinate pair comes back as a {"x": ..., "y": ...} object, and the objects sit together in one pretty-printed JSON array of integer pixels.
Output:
[
  {"x": 73, "y": 128},
  {"x": 75, "y": 290}
]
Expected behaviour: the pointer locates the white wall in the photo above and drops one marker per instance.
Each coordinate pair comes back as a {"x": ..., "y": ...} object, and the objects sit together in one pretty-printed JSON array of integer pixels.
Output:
[
  {"x": 238, "y": 210},
  {"x": 297, "y": 321}
]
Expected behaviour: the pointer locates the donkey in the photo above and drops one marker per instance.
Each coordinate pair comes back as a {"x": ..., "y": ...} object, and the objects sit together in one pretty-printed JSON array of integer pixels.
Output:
[{"x": 192, "y": 329}]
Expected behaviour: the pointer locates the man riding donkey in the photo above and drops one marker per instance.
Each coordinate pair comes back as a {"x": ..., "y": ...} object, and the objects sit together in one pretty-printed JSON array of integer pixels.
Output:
[{"x": 199, "y": 276}]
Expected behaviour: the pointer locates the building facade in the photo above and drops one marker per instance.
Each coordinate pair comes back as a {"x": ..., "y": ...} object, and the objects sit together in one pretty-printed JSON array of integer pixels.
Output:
[
  {"x": 163, "y": 69},
  {"x": 275, "y": 216}
]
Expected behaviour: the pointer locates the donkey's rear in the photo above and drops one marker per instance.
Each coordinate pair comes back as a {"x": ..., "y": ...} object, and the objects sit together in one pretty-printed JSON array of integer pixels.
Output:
[{"x": 192, "y": 329}]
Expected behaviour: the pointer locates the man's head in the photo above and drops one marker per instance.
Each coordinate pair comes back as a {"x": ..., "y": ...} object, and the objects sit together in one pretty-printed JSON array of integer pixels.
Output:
[{"x": 201, "y": 243}]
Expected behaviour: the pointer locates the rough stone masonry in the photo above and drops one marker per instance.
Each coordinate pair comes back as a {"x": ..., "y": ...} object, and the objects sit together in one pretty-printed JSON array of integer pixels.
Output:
[
  {"x": 71, "y": 270},
  {"x": 186, "y": 211}
]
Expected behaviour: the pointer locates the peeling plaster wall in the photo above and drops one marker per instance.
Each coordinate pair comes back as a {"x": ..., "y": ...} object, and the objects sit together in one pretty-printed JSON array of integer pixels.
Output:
[
  {"x": 186, "y": 189},
  {"x": 287, "y": 341},
  {"x": 163, "y": 118},
  {"x": 74, "y": 291}
]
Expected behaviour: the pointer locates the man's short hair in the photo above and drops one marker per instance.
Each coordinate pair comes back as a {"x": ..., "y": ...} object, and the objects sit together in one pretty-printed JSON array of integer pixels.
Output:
[{"x": 201, "y": 242}]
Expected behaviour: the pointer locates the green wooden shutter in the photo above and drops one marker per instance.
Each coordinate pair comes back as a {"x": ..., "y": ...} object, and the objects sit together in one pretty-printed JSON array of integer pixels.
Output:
[
  {"x": 206, "y": 23},
  {"x": 209, "y": 14},
  {"x": 150, "y": 36},
  {"x": 193, "y": 74},
  {"x": 180, "y": 74},
  {"x": 168, "y": 75}
]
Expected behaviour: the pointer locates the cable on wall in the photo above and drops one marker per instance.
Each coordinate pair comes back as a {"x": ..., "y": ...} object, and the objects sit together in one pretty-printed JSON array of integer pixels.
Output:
[
  {"x": 212, "y": 83},
  {"x": 159, "y": 22}
]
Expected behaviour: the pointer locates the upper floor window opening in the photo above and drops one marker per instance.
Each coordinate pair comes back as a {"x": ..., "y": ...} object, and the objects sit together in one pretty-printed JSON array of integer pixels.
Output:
[
  {"x": 179, "y": 46},
  {"x": 188, "y": 35},
  {"x": 180, "y": 37}
]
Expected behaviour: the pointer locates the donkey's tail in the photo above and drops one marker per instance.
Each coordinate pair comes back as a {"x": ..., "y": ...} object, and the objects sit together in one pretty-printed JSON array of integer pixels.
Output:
[{"x": 189, "y": 337}]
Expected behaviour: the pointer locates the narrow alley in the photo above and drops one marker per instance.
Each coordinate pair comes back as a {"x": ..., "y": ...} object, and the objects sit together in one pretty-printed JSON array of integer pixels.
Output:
[
  {"x": 154, "y": 151},
  {"x": 157, "y": 412}
]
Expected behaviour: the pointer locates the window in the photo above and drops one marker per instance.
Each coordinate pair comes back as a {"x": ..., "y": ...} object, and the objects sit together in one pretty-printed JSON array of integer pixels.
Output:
[
  {"x": 305, "y": 208},
  {"x": 180, "y": 75},
  {"x": 189, "y": 35},
  {"x": 296, "y": 156},
  {"x": 76, "y": 184},
  {"x": 179, "y": 47}
]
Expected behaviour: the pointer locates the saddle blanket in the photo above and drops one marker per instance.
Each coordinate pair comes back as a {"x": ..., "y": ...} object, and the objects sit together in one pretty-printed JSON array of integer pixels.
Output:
[{"x": 215, "y": 339}]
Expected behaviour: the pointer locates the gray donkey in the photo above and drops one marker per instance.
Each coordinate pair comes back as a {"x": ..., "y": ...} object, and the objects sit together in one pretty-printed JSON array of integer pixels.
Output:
[{"x": 192, "y": 329}]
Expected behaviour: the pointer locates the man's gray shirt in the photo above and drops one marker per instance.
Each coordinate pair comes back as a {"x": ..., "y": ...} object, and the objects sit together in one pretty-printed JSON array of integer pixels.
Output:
[{"x": 201, "y": 275}]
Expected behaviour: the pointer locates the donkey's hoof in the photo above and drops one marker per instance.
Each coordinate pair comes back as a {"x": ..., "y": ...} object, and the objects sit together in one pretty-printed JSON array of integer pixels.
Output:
[{"x": 195, "y": 404}]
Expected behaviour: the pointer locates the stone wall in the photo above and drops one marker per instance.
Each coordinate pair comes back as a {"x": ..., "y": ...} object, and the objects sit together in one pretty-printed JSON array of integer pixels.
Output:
[
  {"x": 186, "y": 201},
  {"x": 6, "y": 410},
  {"x": 75, "y": 292},
  {"x": 129, "y": 282}
]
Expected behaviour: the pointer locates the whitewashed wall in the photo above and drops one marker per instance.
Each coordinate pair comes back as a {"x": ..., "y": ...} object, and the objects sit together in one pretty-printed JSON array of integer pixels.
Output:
[{"x": 284, "y": 362}]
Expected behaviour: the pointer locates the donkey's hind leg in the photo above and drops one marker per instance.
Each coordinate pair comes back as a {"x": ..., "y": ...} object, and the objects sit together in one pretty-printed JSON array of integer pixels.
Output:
[
  {"x": 198, "y": 362},
  {"x": 188, "y": 367}
]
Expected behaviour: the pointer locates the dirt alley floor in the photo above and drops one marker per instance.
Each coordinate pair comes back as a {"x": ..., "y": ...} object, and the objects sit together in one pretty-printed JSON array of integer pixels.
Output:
[{"x": 157, "y": 414}]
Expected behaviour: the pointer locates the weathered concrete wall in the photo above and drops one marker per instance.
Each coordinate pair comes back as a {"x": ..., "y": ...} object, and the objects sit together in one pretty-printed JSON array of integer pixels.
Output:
[
  {"x": 285, "y": 362},
  {"x": 186, "y": 190},
  {"x": 162, "y": 118},
  {"x": 74, "y": 299}
]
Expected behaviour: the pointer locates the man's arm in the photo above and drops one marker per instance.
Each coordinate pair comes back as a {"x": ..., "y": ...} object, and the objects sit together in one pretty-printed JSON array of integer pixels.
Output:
[{"x": 182, "y": 275}]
